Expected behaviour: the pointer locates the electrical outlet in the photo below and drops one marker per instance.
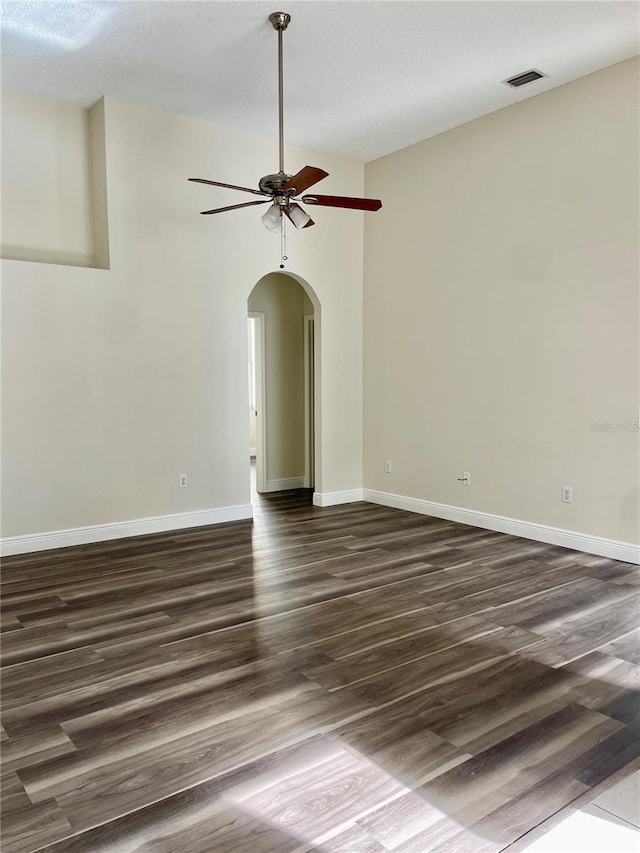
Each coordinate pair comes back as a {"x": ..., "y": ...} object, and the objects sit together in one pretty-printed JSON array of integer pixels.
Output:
[
  {"x": 387, "y": 466},
  {"x": 182, "y": 481},
  {"x": 567, "y": 494}
]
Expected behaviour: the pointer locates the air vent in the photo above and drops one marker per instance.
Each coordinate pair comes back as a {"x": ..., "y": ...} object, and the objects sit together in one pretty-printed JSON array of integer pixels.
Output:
[{"x": 523, "y": 79}]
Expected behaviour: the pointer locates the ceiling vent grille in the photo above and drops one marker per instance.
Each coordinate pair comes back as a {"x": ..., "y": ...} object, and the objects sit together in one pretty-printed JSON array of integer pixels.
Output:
[{"x": 523, "y": 79}]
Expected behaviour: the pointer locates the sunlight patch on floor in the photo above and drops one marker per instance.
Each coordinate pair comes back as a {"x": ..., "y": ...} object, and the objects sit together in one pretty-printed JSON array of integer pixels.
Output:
[{"x": 320, "y": 796}]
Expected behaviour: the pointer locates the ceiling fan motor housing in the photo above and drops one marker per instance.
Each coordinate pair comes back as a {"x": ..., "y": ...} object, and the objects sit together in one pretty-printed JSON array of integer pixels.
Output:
[{"x": 272, "y": 184}]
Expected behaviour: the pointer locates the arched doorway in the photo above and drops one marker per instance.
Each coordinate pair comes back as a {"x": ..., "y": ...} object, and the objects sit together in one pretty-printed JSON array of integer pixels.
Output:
[{"x": 284, "y": 342}]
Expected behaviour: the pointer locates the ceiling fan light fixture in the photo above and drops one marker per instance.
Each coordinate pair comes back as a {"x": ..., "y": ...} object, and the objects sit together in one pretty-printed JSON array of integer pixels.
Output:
[
  {"x": 298, "y": 216},
  {"x": 271, "y": 219}
]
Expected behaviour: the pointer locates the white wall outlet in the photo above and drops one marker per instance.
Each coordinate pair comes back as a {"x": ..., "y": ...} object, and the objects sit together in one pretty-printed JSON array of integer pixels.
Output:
[
  {"x": 465, "y": 479},
  {"x": 387, "y": 466},
  {"x": 567, "y": 494},
  {"x": 182, "y": 481}
]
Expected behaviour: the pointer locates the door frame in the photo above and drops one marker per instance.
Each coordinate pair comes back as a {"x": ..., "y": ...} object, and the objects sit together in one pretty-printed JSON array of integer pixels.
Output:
[
  {"x": 309, "y": 400},
  {"x": 261, "y": 419}
]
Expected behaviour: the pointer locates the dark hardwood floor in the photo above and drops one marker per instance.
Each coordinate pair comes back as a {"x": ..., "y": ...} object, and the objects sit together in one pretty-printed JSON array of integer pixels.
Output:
[{"x": 347, "y": 679}]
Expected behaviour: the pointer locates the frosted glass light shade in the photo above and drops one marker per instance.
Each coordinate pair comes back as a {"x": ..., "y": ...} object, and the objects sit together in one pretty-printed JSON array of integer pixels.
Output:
[
  {"x": 298, "y": 216},
  {"x": 271, "y": 219}
]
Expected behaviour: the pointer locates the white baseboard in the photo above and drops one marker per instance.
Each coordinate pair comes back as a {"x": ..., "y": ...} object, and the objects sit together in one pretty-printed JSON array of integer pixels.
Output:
[
  {"x": 284, "y": 484},
  {"x": 334, "y": 498},
  {"x": 627, "y": 552},
  {"x": 121, "y": 529}
]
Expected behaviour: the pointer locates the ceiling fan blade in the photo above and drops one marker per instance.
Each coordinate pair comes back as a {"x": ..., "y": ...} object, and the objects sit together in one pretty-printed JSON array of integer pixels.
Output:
[
  {"x": 236, "y": 206},
  {"x": 305, "y": 178},
  {"x": 296, "y": 207},
  {"x": 228, "y": 186},
  {"x": 343, "y": 201}
]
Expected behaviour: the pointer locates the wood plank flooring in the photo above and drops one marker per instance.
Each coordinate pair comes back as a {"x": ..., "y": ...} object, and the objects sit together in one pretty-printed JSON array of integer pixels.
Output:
[{"x": 354, "y": 679}]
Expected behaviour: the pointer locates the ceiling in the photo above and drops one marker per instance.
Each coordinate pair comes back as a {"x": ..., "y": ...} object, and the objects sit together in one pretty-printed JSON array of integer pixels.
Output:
[{"x": 362, "y": 79}]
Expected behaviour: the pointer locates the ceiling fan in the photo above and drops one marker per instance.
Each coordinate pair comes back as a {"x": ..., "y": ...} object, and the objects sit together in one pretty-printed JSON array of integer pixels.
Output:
[{"x": 281, "y": 189}]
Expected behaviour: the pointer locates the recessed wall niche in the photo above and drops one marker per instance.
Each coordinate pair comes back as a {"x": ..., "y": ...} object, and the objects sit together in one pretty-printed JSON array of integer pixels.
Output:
[{"x": 54, "y": 185}]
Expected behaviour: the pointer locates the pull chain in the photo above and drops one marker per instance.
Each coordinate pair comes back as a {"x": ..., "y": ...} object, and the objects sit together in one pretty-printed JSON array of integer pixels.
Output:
[{"x": 283, "y": 239}]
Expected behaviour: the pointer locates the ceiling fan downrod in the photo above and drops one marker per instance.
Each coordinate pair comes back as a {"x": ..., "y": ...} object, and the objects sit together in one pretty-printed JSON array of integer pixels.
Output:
[{"x": 280, "y": 21}]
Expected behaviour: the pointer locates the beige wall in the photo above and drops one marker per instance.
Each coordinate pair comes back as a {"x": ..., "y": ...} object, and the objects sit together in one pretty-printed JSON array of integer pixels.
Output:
[
  {"x": 284, "y": 304},
  {"x": 116, "y": 381},
  {"x": 501, "y": 316},
  {"x": 501, "y": 311},
  {"x": 46, "y": 170}
]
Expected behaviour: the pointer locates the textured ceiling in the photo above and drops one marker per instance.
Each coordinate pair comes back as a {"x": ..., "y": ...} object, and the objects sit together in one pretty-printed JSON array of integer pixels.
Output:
[{"x": 362, "y": 79}]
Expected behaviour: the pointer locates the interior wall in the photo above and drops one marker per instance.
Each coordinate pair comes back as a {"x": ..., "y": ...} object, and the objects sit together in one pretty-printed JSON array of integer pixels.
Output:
[
  {"x": 501, "y": 312},
  {"x": 99, "y": 199},
  {"x": 46, "y": 169},
  {"x": 284, "y": 304},
  {"x": 116, "y": 381}
]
